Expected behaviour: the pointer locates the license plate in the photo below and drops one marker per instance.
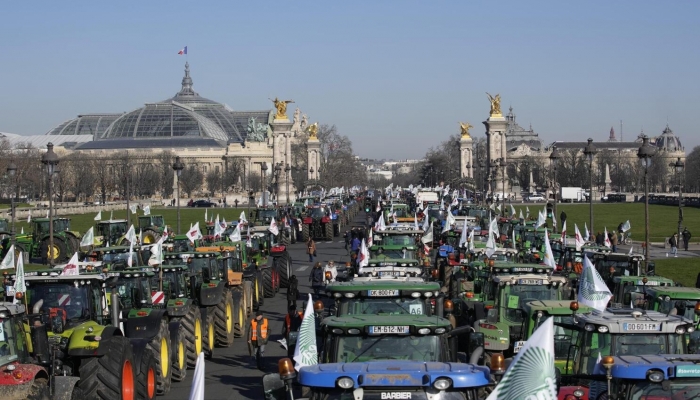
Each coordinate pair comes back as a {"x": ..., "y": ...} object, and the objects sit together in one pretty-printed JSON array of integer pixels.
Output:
[
  {"x": 518, "y": 346},
  {"x": 389, "y": 273},
  {"x": 382, "y": 293},
  {"x": 649, "y": 283},
  {"x": 641, "y": 326},
  {"x": 388, "y": 264},
  {"x": 530, "y": 281},
  {"x": 378, "y": 330}
]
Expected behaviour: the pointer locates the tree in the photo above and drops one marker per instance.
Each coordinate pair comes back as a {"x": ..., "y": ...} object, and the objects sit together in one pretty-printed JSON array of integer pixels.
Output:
[
  {"x": 692, "y": 171},
  {"x": 191, "y": 179},
  {"x": 214, "y": 180}
]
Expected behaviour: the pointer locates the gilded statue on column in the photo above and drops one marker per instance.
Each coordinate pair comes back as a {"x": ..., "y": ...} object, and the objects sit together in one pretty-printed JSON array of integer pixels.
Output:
[
  {"x": 465, "y": 126},
  {"x": 281, "y": 106},
  {"x": 313, "y": 131},
  {"x": 495, "y": 105}
]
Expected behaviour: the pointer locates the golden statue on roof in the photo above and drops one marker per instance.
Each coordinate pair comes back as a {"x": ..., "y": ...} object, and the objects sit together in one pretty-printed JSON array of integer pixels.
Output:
[
  {"x": 313, "y": 131},
  {"x": 495, "y": 105},
  {"x": 465, "y": 126},
  {"x": 281, "y": 106}
]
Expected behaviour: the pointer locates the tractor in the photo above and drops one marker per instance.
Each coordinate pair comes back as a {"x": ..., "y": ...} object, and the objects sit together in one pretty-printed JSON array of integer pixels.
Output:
[
  {"x": 152, "y": 227},
  {"x": 65, "y": 241},
  {"x": 252, "y": 277},
  {"x": 260, "y": 247},
  {"x": 317, "y": 223},
  {"x": 111, "y": 232}
]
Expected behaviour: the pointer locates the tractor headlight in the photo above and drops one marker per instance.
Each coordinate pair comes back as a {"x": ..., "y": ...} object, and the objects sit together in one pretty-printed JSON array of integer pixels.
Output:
[
  {"x": 680, "y": 330},
  {"x": 655, "y": 376},
  {"x": 345, "y": 383},
  {"x": 442, "y": 384}
]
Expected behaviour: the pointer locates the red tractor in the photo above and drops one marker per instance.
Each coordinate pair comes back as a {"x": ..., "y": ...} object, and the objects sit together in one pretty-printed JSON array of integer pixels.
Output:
[{"x": 317, "y": 223}]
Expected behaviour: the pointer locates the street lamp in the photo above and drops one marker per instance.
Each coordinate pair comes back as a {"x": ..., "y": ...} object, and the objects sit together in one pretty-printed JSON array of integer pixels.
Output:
[
  {"x": 50, "y": 160},
  {"x": 589, "y": 151},
  {"x": 482, "y": 181},
  {"x": 678, "y": 166},
  {"x": 645, "y": 153},
  {"x": 178, "y": 166},
  {"x": 553, "y": 158},
  {"x": 251, "y": 199},
  {"x": 287, "y": 171},
  {"x": 11, "y": 171},
  {"x": 263, "y": 169},
  {"x": 502, "y": 164},
  {"x": 311, "y": 172},
  {"x": 278, "y": 173}
]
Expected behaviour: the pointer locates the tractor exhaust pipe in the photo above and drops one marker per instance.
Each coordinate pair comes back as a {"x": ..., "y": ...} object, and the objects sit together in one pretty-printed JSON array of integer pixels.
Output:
[{"x": 114, "y": 298}]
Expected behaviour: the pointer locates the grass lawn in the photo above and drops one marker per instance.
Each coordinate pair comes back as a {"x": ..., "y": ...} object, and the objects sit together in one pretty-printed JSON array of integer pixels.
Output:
[
  {"x": 682, "y": 270},
  {"x": 663, "y": 220},
  {"x": 83, "y": 222},
  {"x": 17, "y": 205}
]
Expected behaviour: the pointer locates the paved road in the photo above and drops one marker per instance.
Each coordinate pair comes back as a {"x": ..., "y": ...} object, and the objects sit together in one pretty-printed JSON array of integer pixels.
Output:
[{"x": 231, "y": 374}]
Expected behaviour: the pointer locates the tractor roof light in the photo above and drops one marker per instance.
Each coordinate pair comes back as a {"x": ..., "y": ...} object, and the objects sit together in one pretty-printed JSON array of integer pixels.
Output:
[
  {"x": 654, "y": 375},
  {"x": 318, "y": 305},
  {"x": 345, "y": 383},
  {"x": 573, "y": 306},
  {"x": 286, "y": 369},
  {"x": 349, "y": 295},
  {"x": 680, "y": 330},
  {"x": 415, "y": 295},
  {"x": 442, "y": 383},
  {"x": 448, "y": 305},
  {"x": 608, "y": 362},
  {"x": 498, "y": 364}
]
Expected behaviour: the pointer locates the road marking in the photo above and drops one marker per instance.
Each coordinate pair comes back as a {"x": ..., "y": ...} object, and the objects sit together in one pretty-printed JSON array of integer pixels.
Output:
[{"x": 303, "y": 268}]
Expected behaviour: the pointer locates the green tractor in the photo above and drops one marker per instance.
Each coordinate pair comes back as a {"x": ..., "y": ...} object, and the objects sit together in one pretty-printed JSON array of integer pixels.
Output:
[
  {"x": 65, "y": 241},
  {"x": 111, "y": 232},
  {"x": 261, "y": 246},
  {"x": 81, "y": 336},
  {"x": 252, "y": 277},
  {"x": 152, "y": 227}
]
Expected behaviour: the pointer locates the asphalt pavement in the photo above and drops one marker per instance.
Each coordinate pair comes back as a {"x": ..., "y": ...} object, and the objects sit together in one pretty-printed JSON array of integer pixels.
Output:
[{"x": 231, "y": 373}]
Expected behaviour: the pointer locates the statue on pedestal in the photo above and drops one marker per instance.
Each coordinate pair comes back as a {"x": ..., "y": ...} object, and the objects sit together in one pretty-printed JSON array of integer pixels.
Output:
[
  {"x": 465, "y": 130},
  {"x": 495, "y": 105},
  {"x": 256, "y": 132},
  {"x": 281, "y": 106},
  {"x": 313, "y": 131}
]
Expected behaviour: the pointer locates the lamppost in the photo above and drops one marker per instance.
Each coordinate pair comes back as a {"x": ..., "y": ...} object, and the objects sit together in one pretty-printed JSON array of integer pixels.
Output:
[
  {"x": 589, "y": 151},
  {"x": 311, "y": 172},
  {"x": 287, "y": 170},
  {"x": 263, "y": 169},
  {"x": 178, "y": 166},
  {"x": 127, "y": 173},
  {"x": 223, "y": 177},
  {"x": 251, "y": 199},
  {"x": 645, "y": 153},
  {"x": 278, "y": 173},
  {"x": 482, "y": 181},
  {"x": 502, "y": 164},
  {"x": 11, "y": 171},
  {"x": 553, "y": 158},
  {"x": 50, "y": 160},
  {"x": 678, "y": 166}
]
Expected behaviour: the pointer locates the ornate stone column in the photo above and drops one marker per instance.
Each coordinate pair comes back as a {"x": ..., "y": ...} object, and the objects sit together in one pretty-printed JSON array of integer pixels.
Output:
[
  {"x": 281, "y": 154},
  {"x": 496, "y": 142},
  {"x": 465, "y": 152},
  {"x": 313, "y": 153}
]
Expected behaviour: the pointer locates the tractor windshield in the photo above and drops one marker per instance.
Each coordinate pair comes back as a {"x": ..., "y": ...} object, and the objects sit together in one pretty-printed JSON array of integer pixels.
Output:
[
  {"x": 668, "y": 389},
  {"x": 157, "y": 220},
  {"x": 563, "y": 337},
  {"x": 384, "y": 254},
  {"x": 401, "y": 212},
  {"x": 134, "y": 291},
  {"x": 175, "y": 281},
  {"x": 398, "y": 240},
  {"x": 41, "y": 228},
  {"x": 115, "y": 258},
  {"x": 388, "y": 347},
  {"x": 60, "y": 225},
  {"x": 66, "y": 299},
  {"x": 678, "y": 307},
  {"x": 182, "y": 246},
  {"x": 517, "y": 295},
  {"x": 383, "y": 306},
  {"x": 266, "y": 215},
  {"x": 4, "y": 227},
  {"x": 318, "y": 212},
  {"x": 10, "y": 342}
]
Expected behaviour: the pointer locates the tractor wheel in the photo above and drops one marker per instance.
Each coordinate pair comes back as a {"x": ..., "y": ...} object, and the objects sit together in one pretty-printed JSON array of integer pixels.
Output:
[
  {"x": 210, "y": 336},
  {"x": 73, "y": 242},
  {"x": 160, "y": 346},
  {"x": 194, "y": 335},
  {"x": 261, "y": 288},
  {"x": 179, "y": 361},
  {"x": 150, "y": 236},
  {"x": 59, "y": 252},
  {"x": 239, "y": 315},
  {"x": 328, "y": 231},
  {"x": 111, "y": 376},
  {"x": 39, "y": 390},
  {"x": 293, "y": 234},
  {"x": 283, "y": 265},
  {"x": 248, "y": 296},
  {"x": 268, "y": 286},
  {"x": 18, "y": 250},
  {"x": 305, "y": 233},
  {"x": 224, "y": 320},
  {"x": 146, "y": 377},
  {"x": 284, "y": 239}
]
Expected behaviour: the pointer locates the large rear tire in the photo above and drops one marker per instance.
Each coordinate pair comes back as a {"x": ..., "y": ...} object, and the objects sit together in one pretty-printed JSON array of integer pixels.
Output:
[
  {"x": 194, "y": 335},
  {"x": 210, "y": 335},
  {"x": 283, "y": 264},
  {"x": 239, "y": 314},
  {"x": 269, "y": 289},
  {"x": 179, "y": 360},
  {"x": 160, "y": 346},
  {"x": 39, "y": 390},
  {"x": 224, "y": 320},
  {"x": 111, "y": 376},
  {"x": 328, "y": 231},
  {"x": 305, "y": 233},
  {"x": 146, "y": 377},
  {"x": 261, "y": 288},
  {"x": 248, "y": 294},
  {"x": 59, "y": 253},
  {"x": 150, "y": 236}
]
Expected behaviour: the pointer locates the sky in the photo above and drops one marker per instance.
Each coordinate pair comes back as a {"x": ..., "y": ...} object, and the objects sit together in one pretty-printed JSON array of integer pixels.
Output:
[{"x": 396, "y": 77}]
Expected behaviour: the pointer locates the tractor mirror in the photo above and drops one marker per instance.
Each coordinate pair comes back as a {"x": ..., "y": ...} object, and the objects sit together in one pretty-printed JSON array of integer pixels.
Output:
[
  {"x": 474, "y": 341},
  {"x": 57, "y": 324},
  {"x": 136, "y": 297},
  {"x": 206, "y": 275},
  {"x": 273, "y": 387},
  {"x": 627, "y": 298},
  {"x": 492, "y": 316}
]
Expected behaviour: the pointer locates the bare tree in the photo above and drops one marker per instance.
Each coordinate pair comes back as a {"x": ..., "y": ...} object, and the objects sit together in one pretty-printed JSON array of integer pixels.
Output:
[
  {"x": 214, "y": 180},
  {"x": 692, "y": 171},
  {"x": 191, "y": 179}
]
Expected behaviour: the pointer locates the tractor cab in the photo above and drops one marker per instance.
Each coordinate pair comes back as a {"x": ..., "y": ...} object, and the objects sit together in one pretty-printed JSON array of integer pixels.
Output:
[
  {"x": 610, "y": 265},
  {"x": 263, "y": 216},
  {"x": 134, "y": 290},
  {"x": 632, "y": 291},
  {"x": 380, "y": 296},
  {"x": 14, "y": 347},
  {"x": 111, "y": 231}
]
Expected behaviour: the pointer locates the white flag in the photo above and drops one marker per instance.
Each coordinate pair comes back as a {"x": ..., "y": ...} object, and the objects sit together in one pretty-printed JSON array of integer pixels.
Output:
[
  {"x": 242, "y": 217},
  {"x": 363, "y": 256},
  {"x": 88, "y": 238},
  {"x": 380, "y": 226},
  {"x": 531, "y": 375},
  {"x": 607, "y": 239},
  {"x": 541, "y": 219},
  {"x": 9, "y": 260},
  {"x": 521, "y": 214},
  {"x": 527, "y": 210},
  {"x": 147, "y": 210},
  {"x": 140, "y": 236},
  {"x": 131, "y": 234},
  {"x": 217, "y": 227},
  {"x": 194, "y": 233},
  {"x": 236, "y": 235},
  {"x": 415, "y": 221},
  {"x": 273, "y": 227},
  {"x": 471, "y": 241},
  {"x": 156, "y": 257},
  {"x": 463, "y": 236},
  {"x": 129, "y": 261},
  {"x": 626, "y": 226},
  {"x": 72, "y": 267},
  {"x": 426, "y": 219},
  {"x": 306, "y": 353},
  {"x": 198, "y": 381},
  {"x": 29, "y": 217},
  {"x": 563, "y": 233},
  {"x": 512, "y": 211},
  {"x": 47, "y": 213},
  {"x": 132, "y": 208},
  {"x": 22, "y": 233},
  {"x": 491, "y": 243},
  {"x": 205, "y": 214},
  {"x": 592, "y": 290},
  {"x": 548, "y": 255},
  {"x": 554, "y": 220},
  {"x": 20, "y": 286},
  {"x": 631, "y": 248},
  {"x": 585, "y": 231},
  {"x": 428, "y": 235},
  {"x": 579, "y": 240}
]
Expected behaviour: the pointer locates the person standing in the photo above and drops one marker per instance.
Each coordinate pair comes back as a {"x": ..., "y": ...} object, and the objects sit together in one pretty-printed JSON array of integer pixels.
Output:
[
  {"x": 330, "y": 267},
  {"x": 673, "y": 241},
  {"x": 316, "y": 278},
  {"x": 292, "y": 323},
  {"x": 686, "y": 238},
  {"x": 311, "y": 249},
  {"x": 257, "y": 338},
  {"x": 355, "y": 247},
  {"x": 600, "y": 239},
  {"x": 292, "y": 291},
  {"x": 613, "y": 241}
]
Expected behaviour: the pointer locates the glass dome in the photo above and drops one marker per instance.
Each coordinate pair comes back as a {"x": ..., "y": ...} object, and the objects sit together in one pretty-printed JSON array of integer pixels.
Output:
[
  {"x": 668, "y": 141},
  {"x": 186, "y": 115},
  {"x": 88, "y": 124}
]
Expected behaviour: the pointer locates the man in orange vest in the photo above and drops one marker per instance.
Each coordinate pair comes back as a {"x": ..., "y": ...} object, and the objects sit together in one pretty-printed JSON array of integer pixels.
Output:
[{"x": 257, "y": 338}]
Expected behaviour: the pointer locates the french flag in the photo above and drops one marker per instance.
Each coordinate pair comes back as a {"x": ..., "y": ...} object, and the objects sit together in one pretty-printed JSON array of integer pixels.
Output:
[{"x": 183, "y": 51}]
